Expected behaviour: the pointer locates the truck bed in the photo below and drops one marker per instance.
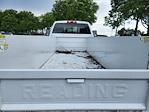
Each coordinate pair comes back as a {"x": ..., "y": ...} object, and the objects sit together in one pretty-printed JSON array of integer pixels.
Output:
[
  {"x": 71, "y": 60},
  {"x": 61, "y": 90},
  {"x": 33, "y": 52}
]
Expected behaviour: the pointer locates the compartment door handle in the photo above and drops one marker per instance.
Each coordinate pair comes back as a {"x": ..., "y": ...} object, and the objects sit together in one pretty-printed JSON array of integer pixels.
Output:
[{"x": 75, "y": 81}]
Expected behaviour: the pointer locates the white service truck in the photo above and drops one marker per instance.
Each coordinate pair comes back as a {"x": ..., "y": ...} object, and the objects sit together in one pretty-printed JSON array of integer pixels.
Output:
[{"x": 71, "y": 70}]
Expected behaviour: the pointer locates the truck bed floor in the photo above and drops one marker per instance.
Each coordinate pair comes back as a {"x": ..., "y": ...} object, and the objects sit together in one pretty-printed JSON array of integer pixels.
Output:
[{"x": 71, "y": 60}]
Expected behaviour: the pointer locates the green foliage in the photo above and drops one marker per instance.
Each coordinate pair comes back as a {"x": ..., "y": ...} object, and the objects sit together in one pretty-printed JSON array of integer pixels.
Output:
[
  {"x": 27, "y": 22},
  {"x": 8, "y": 21},
  {"x": 46, "y": 20},
  {"x": 134, "y": 8},
  {"x": 128, "y": 32},
  {"x": 1, "y": 15},
  {"x": 114, "y": 20},
  {"x": 23, "y": 22},
  {"x": 145, "y": 19},
  {"x": 123, "y": 10},
  {"x": 75, "y": 10}
]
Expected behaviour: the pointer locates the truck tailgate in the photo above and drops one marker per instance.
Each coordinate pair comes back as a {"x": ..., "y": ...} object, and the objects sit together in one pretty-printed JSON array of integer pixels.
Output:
[{"x": 32, "y": 90}]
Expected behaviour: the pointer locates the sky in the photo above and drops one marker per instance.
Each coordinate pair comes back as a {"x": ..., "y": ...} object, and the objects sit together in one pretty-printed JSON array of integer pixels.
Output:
[{"x": 39, "y": 7}]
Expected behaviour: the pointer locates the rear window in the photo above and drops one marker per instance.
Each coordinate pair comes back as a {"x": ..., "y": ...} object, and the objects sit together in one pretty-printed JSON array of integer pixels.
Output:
[{"x": 71, "y": 28}]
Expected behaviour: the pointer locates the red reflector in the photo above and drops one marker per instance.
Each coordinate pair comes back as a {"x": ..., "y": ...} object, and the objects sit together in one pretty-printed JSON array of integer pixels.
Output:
[{"x": 71, "y": 22}]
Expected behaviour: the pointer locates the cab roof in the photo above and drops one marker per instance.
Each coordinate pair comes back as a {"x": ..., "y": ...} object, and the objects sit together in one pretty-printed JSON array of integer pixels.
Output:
[{"x": 66, "y": 21}]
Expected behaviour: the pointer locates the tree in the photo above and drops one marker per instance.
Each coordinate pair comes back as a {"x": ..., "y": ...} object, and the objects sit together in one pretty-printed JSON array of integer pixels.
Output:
[
  {"x": 23, "y": 22},
  {"x": 9, "y": 21},
  {"x": 27, "y": 22},
  {"x": 84, "y": 10},
  {"x": 135, "y": 10},
  {"x": 1, "y": 15},
  {"x": 127, "y": 9},
  {"x": 145, "y": 22},
  {"x": 10, "y": 12},
  {"x": 46, "y": 20},
  {"x": 145, "y": 19},
  {"x": 128, "y": 32},
  {"x": 114, "y": 20}
]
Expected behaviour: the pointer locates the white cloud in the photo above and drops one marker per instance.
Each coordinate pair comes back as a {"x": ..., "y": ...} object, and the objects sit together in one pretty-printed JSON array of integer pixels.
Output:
[
  {"x": 104, "y": 8},
  {"x": 131, "y": 24}
]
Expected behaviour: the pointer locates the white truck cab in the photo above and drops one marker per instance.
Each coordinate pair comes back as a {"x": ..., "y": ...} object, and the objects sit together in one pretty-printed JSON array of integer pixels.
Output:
[{"x": 71, "y": 28}]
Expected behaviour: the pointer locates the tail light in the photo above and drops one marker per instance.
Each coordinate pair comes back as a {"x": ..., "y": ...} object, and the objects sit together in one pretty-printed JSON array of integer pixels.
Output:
[{"x": 72, "y": 22}]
